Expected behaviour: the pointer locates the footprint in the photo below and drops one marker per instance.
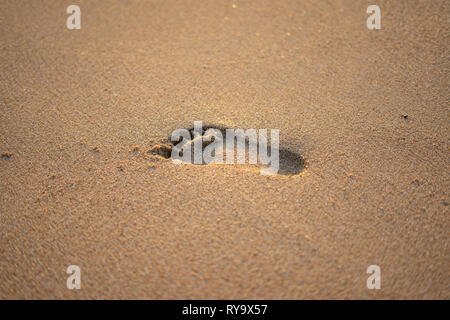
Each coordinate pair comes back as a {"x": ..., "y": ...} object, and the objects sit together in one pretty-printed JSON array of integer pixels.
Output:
[{"x": 290, "y": 162}]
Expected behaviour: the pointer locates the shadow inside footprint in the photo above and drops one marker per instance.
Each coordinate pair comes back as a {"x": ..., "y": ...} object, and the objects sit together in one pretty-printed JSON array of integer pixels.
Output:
[{"x": 290, "y": 162}]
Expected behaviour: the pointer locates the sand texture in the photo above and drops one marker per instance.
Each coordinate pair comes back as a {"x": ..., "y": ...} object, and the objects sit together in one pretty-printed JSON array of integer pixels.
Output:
[{"x": 85, "y": 178}]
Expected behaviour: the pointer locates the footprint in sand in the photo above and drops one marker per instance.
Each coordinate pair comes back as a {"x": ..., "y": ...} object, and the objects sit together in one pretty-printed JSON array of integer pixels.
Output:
[{"x": 290, "y": 163}]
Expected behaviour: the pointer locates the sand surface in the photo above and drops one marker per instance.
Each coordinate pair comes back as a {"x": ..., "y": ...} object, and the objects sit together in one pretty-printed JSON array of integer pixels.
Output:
[{"x": 367, "y": 110}]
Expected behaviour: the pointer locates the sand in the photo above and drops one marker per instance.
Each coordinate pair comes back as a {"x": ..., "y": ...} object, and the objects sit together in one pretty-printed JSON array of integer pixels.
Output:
[{"x": 367, "y": 110}]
